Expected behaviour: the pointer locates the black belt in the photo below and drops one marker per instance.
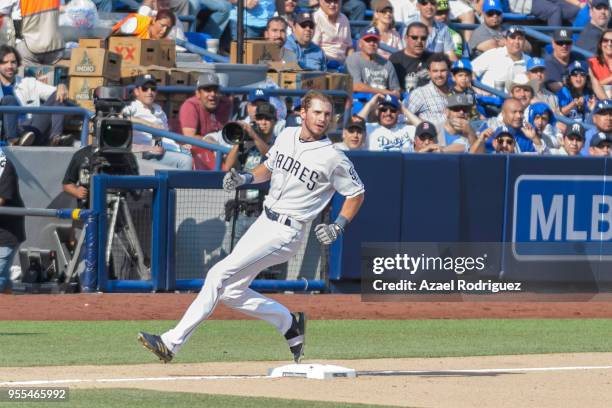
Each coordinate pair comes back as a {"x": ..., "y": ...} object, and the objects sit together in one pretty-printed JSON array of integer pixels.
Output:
[{"x": 274, "y": 216}]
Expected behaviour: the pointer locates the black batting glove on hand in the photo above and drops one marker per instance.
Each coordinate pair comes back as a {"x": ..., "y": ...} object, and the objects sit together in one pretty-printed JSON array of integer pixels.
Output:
[
  {"x": 234, "y": 179},
  {"x": 328, "y": 233}
]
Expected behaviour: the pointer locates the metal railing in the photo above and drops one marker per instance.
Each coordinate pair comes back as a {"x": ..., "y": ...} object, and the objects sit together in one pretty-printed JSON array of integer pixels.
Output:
[{"x": 67, "y": 110}]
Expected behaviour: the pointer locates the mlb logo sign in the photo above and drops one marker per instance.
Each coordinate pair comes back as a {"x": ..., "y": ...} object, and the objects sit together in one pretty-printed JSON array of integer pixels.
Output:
[{"x": 562, "y": 218}]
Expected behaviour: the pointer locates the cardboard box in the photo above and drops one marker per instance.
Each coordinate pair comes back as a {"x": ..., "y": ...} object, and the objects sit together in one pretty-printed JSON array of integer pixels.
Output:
[
  {"x": 256, "y": 52},
  {"x": 130, "y": 72},
  {"x": 173, "y": 108},
  {"x": 95, "y": 62},
  {"x": 167, "y": 53},
  {"x": 193, "y": 77},
  {"x": 92, "y": 43},
  {"x": 134, "y": 51},
  {"x": 178, "y": 77},
  {"x": 81, "y": 89},
  {"x": 339, "y": 82},
  {"x": 303, "y": 80},
  {"x": 276, "y": 68}
]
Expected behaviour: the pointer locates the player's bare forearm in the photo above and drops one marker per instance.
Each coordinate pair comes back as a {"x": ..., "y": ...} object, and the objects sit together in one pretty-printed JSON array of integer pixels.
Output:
[
  {"x": 261, "y": 174},
  {"x": 351, "y": 206}
]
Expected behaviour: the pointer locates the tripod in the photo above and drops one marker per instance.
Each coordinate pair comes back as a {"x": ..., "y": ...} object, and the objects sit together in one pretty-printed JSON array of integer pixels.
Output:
[{"x": 122, "y": 231}]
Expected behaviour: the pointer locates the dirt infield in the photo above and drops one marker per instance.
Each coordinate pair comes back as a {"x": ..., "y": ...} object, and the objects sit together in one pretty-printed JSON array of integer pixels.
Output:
[
  {"x": 569, "y": 380},
  {"x": 169, "y": 306},
  {"x": 555, "y": 380}
]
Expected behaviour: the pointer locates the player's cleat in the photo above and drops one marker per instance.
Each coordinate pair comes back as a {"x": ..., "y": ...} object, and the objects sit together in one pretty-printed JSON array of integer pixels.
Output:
[
  {"x": 154, "y": 344},
  {"x": 296, "y": 336}
]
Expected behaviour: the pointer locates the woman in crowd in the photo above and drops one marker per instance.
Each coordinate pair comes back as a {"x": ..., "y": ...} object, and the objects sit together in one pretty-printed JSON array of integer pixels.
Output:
[
  {"x": 383, "y": 20},
  {"x": 286, "y": 10},
  {"x": 145, "y": 26},
  {"x": 600, "y": 67},
  {"x": 576, "y": 98}
]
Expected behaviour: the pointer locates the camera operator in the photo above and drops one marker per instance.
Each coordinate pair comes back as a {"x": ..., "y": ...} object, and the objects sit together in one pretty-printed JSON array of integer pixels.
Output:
[
  {"x": 259, "y": 136},
  {"x": 144, "y": 110}
]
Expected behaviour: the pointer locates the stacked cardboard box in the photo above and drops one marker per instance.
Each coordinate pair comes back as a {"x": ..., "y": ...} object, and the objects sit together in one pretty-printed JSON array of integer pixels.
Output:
[
  {"x": 291, "y": 76},
  {"x": 91, "y": 67},
  {"x": 256, "y": 52}
]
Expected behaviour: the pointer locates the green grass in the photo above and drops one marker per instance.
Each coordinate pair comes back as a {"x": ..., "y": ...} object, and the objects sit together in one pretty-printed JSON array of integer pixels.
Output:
[
  {"x": 151, "y": 399},
  {"x": 28, "y": 343}
]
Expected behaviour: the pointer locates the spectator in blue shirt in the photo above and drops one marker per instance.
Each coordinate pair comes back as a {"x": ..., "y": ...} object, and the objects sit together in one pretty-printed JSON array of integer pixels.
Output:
[
  {"x": 576, "y": 99},
  {"x": 307, "y": 54}
]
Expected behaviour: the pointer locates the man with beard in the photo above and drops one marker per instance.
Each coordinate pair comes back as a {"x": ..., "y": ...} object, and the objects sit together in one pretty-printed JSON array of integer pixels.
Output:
[
  {"x": 602, "y": 119},
  {"x": 410, "y": 63},
  {"x": 276, "y": 31},
  {"x": 43, "y": 129},
  {"x": 429, "y": 102},
  {"x": 387, "y": 134},
  {"x": 371, "y": 73},
  {"x": 308, "y": 55}
]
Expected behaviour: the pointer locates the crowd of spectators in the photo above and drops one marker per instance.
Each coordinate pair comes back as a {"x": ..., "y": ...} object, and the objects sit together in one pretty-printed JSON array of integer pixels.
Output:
[{"x": 412, "y": 75}]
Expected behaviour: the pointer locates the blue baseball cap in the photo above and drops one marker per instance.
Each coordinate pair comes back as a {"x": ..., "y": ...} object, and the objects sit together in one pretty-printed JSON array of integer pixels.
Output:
[
  {"x": 503, "y": 130},
  {"x": 577, "y": 66},
  {"x": 600, "y": 137},
  {"x": 258, "y": 94},
  {"x": 462, "y": 64},
  {"x": 535, "y": 62},
  {"x": 389, "y": 100},
  {"x": 370, "y": 32},
  {"x": 492, "y": 5},
  {"x": 601, "y": 106}
]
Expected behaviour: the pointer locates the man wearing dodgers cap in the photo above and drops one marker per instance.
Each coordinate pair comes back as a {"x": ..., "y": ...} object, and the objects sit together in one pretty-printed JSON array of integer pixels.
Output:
[
  {"x": 602, "y": 119},
  {"x": 387, "y": 133},
  {"x": 536, "y": 68},
  {"x": 600, "y": 144},
  {"x": 371, "y": 73},
  {"x": 499, "y": 65},
  {"x": 489, "y": 34}
]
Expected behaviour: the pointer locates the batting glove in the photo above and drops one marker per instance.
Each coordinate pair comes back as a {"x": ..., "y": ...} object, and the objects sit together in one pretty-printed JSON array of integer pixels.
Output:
[
  {"x": 328, "y": 233},
  {"x": 234, "y": 179}
]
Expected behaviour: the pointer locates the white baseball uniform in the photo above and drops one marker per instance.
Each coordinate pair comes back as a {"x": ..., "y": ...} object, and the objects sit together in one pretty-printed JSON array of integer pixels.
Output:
[{"x": 304, "y": 178}]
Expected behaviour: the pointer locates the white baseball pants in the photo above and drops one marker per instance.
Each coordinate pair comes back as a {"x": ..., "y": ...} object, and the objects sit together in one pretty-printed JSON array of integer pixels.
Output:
[{"x": 265, "y": 244}]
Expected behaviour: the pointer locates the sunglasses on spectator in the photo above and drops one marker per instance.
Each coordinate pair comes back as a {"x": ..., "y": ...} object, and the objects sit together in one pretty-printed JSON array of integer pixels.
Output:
[
  {"x": 386, "y": 10},
  {"x": 149, "y": 88},
  {"x": 371, "y": 40},
  {"x": 563, "y": 43},
  {"x": 506, "y": 141},
  {"x": 441, "y": 12},
  {"x": 492, "y": 13},
  {"x": 262, "y": 117},
  {"x": 418, "y": 37},
  {"x": 331, "y": 1},
  {"x": 387, "y": 109},
  {"x": 460, "y": 108},
  {"x": 604, "y": 145},
  {"x": 307, "y": 24},
  {"x": 601, "y": 7},
  {"x": 606, "y": 40},
  {"x": 426, "y": 136},
  {"x": 578, "y": 73},
  {"x": 424, "y": 2}
]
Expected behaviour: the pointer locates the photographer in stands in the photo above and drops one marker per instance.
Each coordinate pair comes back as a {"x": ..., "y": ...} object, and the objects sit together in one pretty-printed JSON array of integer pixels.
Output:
[{"x": 145, "y": 111}]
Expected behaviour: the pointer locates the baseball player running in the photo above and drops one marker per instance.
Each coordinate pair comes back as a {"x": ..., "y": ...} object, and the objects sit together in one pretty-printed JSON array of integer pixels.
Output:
[{"x": 304, "y": 170}]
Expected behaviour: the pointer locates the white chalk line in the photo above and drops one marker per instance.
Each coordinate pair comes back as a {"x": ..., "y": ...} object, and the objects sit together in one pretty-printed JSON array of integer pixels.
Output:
[{"x": 250, "y": 377}]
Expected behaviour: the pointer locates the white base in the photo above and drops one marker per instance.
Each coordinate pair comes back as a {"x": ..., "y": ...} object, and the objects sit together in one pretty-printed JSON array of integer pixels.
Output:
[{"x": 313, "y": 371}]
